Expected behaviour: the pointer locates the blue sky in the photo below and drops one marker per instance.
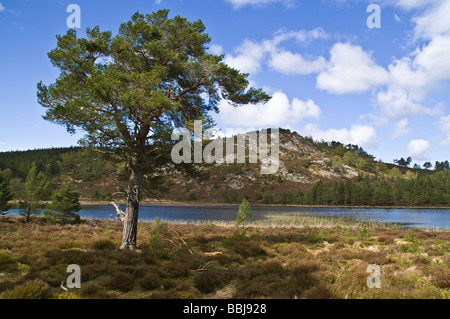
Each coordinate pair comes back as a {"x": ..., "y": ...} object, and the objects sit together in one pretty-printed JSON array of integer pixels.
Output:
[{"x": 330, "y": 75}]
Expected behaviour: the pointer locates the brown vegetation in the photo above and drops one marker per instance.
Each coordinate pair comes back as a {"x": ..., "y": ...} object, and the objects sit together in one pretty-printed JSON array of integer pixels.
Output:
[{"x": 210, "y": 261}]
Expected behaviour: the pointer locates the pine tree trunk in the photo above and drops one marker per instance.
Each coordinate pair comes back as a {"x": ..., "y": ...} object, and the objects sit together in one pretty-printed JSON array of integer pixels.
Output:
[{"x": 129, "y": 239}]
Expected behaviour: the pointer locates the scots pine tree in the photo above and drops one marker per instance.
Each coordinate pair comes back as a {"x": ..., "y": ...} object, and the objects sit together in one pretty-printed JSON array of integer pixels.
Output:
[
  {"x": 36, "y": 190},
  {"x": 66, "y": 203},
  {"x": 127, "y": 92}
]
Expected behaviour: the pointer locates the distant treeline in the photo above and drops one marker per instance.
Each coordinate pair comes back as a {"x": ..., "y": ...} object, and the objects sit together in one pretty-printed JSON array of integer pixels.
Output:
[
  {"x": 430, "y": 190},
  {"x": 82, "y": 165},
  {"x": 54, "y": 164}
]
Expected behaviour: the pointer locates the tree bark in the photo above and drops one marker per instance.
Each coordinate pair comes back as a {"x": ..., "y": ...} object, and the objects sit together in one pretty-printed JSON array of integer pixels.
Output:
[{"x": 129, "y": 239}]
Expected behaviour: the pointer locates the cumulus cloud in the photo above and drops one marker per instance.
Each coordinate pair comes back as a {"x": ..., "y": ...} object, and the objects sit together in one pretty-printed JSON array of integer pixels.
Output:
[
  {"x": 417, "y": 149},
  {"x": 433, "y": 21},
  {"x": 445, "y": 128},
  {"x": 397, "y": 103},
  {"x": 401, "y": 89},
  {"x": 351, "y": 70},
  {"x": 2, "y": 8},
  {"x": 411, "y": 4},
  {"x": 278, "y": 112},
  {"x": 362, "y": 135},
  {"x": 250, "y": 55},
  {"x": 413, "y": 77},
  {"x": 290, "y": 63},
  {"x": 401, "y": 128}
]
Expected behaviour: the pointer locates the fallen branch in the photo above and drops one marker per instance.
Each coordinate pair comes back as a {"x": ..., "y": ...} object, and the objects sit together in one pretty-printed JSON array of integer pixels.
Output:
[
  {"x": 216, "y": 253},
  {"x": 210, "y": 265},
  {"x": 181, "y": 239}
]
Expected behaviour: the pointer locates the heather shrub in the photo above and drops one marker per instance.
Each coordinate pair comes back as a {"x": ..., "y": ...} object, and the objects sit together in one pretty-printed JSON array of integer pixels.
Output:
[
  {"x": 441, "y": 277},
  {"x": 103, "y": 244},
  {"x": 245, "y": 247},
  {"x": 150, "y": 281},
  {"x": 126, "y": 257},
  {"x": 7, "y": 262},
  {"x": 34, "y": 289},
  {"x": 182, "y": 264},
  {"x": 121, "y": 281},
  {"x": 304, "y": 275},
  {"x": 91, "y": 289},
  {"x": 209, "y": 281},
  {"x": 72, "y": 256},
  {"x": 320, "y": 292}
]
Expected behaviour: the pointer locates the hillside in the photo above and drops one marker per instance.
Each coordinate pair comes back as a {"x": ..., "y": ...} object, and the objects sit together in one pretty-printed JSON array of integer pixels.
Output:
[{"x": 310, "y": 173}]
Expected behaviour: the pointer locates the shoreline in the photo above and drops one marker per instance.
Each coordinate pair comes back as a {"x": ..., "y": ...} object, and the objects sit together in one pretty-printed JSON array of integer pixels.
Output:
[{"x": 87, "y": 203}]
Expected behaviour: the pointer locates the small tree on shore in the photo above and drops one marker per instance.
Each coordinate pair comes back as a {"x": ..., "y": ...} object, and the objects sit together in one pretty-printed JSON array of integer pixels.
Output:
[
  {"x": 244, "y": 214},
  {"x": 66, "y": 204},
  {"x": 36, "y": 190}
]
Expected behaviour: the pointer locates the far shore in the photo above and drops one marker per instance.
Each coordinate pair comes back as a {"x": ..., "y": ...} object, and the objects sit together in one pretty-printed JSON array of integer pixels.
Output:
[{"x": 88, "y": 203}]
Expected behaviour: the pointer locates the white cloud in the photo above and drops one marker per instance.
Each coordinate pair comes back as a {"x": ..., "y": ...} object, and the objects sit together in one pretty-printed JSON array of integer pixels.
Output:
[
  {"x": 401, "y": 128},
  {"x": 237, "y": 4},
  {"x": 434, "y": 21},
  {"x": 417, "y": 149},
  {"x": 250, "y": 55},
  {"x": 403, "y": 87},
  {"x": 413, "y": 77},
  {"x": 351, "y": 70},
  {"x": 301, "y": 36},
  {"x": 2, "y": 8},
  {"x": 432, "y": 60},
  {"x": 445, "y": 128},
  {"x": 411, "y": 4},
  {"x": 278, "y": 112},
  {"x": 362, "y": 135},
  {"x": 397, "y": 103},
  {"x": 294, "y": 63}
]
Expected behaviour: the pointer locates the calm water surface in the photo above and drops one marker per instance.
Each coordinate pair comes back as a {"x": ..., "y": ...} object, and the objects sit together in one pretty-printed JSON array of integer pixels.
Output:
[{"x": 423, "y": 218}]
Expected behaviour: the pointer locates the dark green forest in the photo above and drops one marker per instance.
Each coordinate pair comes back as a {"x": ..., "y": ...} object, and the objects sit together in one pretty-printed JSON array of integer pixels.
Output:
[
  {"x": 53, "y": 162},
  {"x": 34, "y": 176},
  {"x": 428, "y": 190}
]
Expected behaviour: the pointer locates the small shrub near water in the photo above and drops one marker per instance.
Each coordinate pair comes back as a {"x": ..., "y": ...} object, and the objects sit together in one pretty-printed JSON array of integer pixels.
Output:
[{"x": 414, "y": 246}]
